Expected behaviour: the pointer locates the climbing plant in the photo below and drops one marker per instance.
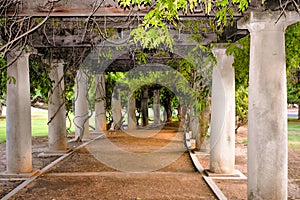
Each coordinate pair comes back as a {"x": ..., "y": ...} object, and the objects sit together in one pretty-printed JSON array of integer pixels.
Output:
[
  {"x": 241, "y": 52},
  {"x": 153, "y": 31},
  {"x": 3, "y": 79}
]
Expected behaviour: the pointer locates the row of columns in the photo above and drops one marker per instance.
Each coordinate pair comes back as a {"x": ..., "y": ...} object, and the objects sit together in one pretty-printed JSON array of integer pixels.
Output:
[
  {"x": 18, "y": 114},
  {"x": 267, "y": 135},
  {"x": 267, "y": 127},
  {"x": 57, "y": 126}
]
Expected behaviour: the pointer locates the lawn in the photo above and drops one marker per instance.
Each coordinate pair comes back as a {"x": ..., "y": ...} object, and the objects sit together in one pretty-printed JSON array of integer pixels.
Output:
[
  {"x": 294, "y": 134},
  {"x": 38, "y": 122},
  {"x": 39, "y": 125},
  {"x": 294, "y": 126}
]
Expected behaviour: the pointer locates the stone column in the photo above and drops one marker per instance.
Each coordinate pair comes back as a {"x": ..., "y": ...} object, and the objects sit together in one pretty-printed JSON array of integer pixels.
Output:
[
  {"x": 222, "y": 139},
  {"x": 57, "y": 139},
  {"x": 267, "y": 125},
  {"x": 156, "y": 107},
  {"x": 116, "y": 109},
  {"x": 144, "y": 107},
  {"x": 18, "y": 115},
  {"x": 100, "y": 104},
  {"x": 131, "y": 113},
  {"x": 81, "y": 120}
]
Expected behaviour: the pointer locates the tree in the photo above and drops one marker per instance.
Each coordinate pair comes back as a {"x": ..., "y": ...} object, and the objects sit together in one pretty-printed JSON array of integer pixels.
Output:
[{"x": 293, "y": 64}]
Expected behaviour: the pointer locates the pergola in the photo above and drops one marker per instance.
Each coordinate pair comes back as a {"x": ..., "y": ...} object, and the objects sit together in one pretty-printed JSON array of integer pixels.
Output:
[{"x": 267, "y": 139}]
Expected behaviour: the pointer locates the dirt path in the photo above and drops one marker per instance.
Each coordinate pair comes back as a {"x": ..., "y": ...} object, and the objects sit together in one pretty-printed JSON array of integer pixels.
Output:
[
  {"x": 97, "y": 171},
  {"x": 140, "y": 168}
]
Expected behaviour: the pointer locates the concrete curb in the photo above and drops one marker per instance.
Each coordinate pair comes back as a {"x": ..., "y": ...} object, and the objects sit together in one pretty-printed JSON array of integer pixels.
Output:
[
  {"x": 45, "y": 169},
  {"x": 219, "y": 194}
]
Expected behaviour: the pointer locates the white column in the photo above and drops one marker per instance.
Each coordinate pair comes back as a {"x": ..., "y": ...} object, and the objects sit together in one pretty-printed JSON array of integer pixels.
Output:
[
  {"x": 57, "y": 139},
  {"x": 18, "y": 115},
  {"x": 100, "y": 104},
  {"x": 81, "y": 120},
  {"x": 222, "y": 139},
  {"x": 267, "y": 134},
  {"x": 116, "y": 109},
  {"x": 131, "y": 113},
  {"x": 156, "y": 107}
]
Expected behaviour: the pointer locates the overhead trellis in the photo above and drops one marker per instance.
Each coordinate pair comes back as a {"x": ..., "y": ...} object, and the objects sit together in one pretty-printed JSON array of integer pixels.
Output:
[
  {"x": 76, "y": 23},
  {"x": 81, "y": 25}
]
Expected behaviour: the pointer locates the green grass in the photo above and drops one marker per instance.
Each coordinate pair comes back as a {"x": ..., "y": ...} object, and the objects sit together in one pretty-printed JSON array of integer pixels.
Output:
[
  {"x": 38, "y": 124},
  {"x": 294, "y": 126},
  {"x": 2, "y": 130},
  {"x": 293, "y": 135}
]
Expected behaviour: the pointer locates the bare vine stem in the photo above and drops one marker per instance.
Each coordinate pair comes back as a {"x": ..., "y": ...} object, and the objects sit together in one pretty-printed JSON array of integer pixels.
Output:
[{"x": 25, "y": 34}]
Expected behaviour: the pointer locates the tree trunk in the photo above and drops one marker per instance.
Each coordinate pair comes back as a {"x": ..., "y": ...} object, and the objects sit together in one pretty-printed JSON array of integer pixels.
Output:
[
  {"x": 203, "y": 127},
  {"x": 144, "y": 107},
  {"x": 169, "y": 113},
  {"x": 179, "y": 115},
  {"x": 184, "y": 117}
]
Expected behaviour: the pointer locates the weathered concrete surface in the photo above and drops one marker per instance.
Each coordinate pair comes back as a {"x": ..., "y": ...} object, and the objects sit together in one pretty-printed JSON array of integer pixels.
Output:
[
  {"x": 100, "y": 103},
  {"x": 267, "y": 135},
  {"x": 222, "y": 139},
  {"x": 18, "y": 115},
  {"x": 131, "y": 113},
  {"x": 116, "y": 109},
  {"x": 81, "y": 120},
  {"x": 57, "y": 139}
]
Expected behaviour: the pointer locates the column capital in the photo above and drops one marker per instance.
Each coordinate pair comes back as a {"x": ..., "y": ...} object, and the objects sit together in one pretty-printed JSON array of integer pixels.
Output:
[
  {"x": 219, "y": 51},
  {"x": 17, "y": 51},
  {"x": 268, "y": 21},
  {"x": 56, "y": 61}
]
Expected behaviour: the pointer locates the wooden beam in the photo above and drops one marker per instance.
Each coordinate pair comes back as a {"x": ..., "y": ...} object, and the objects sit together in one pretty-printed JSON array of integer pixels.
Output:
[
  {"x": 58, "y": 41},
  {"x": 79, "y": 8}
]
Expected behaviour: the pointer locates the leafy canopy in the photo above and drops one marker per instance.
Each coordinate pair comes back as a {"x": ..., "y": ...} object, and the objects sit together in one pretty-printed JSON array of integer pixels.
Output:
[{"x": 153, "y": 31}]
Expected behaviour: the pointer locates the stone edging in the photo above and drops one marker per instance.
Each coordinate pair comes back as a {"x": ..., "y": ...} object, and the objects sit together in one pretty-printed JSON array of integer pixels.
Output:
[{"x": 219, "y": 194}]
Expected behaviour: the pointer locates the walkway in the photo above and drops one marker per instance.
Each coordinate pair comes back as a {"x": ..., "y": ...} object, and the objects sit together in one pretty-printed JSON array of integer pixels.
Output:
[{"x": 147, "y": 164}]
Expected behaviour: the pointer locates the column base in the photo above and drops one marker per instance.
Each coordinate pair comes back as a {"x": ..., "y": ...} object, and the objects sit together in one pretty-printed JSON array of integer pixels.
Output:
[
  {"x": 6, "y": 175},
  {"x": 82, "y": 141},
  {"x": 48, "y": 154},
  {"x": 236, "y": 174}
]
